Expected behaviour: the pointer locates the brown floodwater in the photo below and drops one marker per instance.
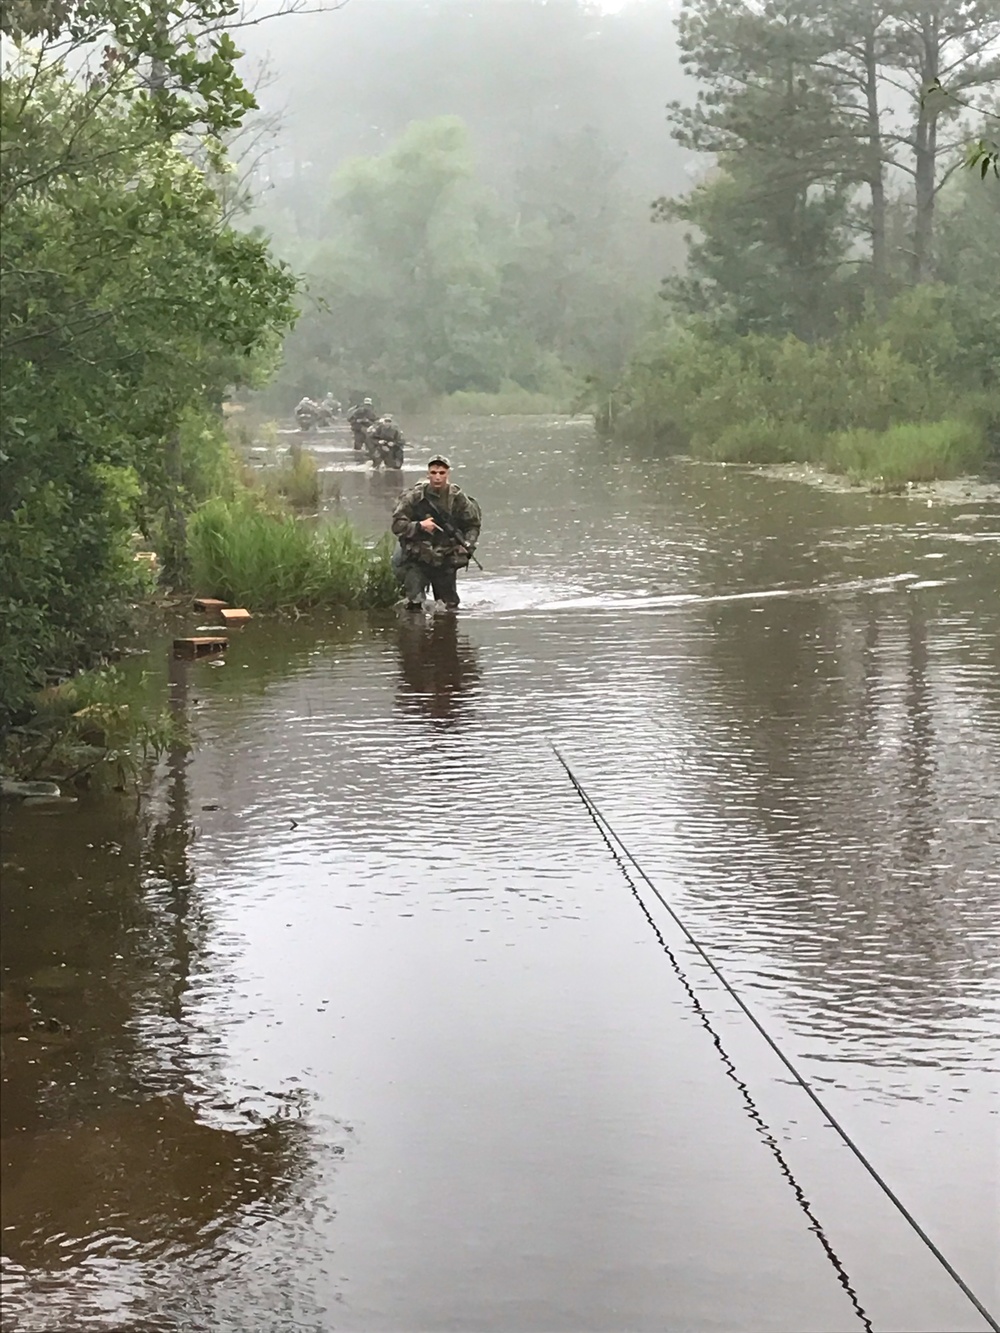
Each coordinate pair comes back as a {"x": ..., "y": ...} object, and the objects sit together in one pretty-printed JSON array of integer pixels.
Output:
[{"x": 358, "y": 1021}]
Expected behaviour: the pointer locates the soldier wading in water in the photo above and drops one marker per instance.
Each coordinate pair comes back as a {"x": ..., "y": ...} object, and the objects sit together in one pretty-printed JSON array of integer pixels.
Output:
[{"x": 438, "y": 527}]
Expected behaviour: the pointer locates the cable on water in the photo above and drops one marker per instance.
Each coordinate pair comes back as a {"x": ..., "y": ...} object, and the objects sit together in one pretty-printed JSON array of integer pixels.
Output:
[
  {"x": 614, "y": 843},
  {"x": 761, "y": 1126}
]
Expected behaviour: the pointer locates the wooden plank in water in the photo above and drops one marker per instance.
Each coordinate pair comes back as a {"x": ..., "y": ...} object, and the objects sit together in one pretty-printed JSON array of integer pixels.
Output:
[
  {"x": 201, "y": 645},
  {"x": 236, "y": 615},
  {"x": 209, "y": 604}
]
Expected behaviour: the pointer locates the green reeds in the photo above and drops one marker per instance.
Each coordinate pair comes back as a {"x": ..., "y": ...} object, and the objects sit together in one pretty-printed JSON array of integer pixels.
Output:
[
  {"x": 102, "y": 726},
  {"x": 274, "y": 562},
  {"x": 295, "y": 479},
  {"x": 912, "y": 451}
]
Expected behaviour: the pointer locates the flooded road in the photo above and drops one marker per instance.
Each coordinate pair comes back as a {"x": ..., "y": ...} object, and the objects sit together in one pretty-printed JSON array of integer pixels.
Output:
[{"x": 365, "y": 1021}]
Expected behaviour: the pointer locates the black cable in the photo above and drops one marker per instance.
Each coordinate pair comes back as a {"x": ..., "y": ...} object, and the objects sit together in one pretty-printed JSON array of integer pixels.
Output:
[
  {"x": 761, "y": 1126},
  {"x": 608, "y": 833}
]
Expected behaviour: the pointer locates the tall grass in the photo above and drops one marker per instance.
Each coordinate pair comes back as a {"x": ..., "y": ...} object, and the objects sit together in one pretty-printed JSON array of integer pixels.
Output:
[
  {"x": 911, "y": 451},
  {"x": 274, "y": 562},
  {"x": 295, "y": 479},
  {"x": 886, "y": 400}
]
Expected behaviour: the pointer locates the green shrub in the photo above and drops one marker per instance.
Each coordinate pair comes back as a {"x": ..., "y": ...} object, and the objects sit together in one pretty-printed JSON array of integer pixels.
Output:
[
  {"x": 274, "y": 562},
  {"x": 295, "y": 479},
  {"x": 209, "y": 465},
  {"x": 762, "y": 398},
  {"x": 912, "y": 451},
  {"x": 67, "y": 576},
  {"x": 760, "y": 441},
  {"x": 982, "y": 410},
  {"x": 105, "y": 724}
]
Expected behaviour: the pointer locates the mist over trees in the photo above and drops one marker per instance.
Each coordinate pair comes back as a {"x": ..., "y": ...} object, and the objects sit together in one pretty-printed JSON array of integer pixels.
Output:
[
  {"x": 810, "y": 152},
  {"x": 555, "y": 125}
]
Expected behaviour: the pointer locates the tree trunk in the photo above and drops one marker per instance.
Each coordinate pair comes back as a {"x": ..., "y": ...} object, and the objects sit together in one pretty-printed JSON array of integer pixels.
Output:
[
  {"x": 876, "y": 178},
  {"x": 175, "y": 560},
  {"x": 925, "y": 153}
]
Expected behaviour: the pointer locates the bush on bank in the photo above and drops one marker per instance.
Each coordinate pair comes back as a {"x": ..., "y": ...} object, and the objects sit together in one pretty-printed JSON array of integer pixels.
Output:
[
  {"x": 893, "y": 399},
  {"x": 911, "y": 451},
  {"x": 129, "y": 306},
  {"x": 273, "y": 562},
  {"x": 101, "y": 727}
]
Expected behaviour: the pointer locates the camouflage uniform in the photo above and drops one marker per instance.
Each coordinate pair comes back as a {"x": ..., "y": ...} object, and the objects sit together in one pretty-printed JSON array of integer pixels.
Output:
[
  {"x": 360, "y": 417},
  {"x": 385, "y": 433},
  {"x": 305, "y": 413},
  {"x": 434, "y": 557}
]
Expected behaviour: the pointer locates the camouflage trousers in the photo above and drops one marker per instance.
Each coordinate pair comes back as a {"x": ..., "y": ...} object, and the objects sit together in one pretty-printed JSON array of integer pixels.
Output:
[{"x": 416, "y": 578}]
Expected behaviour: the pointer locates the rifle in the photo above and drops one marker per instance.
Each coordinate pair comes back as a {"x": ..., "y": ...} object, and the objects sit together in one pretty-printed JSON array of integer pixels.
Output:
[{"x": 449, "y": 529}]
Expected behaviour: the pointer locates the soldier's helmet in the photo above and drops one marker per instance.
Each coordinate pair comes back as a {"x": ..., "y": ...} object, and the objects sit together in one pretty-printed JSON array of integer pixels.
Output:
[
  {"x": 367, "y": 403},
  {"x": 387, "y": 419}
]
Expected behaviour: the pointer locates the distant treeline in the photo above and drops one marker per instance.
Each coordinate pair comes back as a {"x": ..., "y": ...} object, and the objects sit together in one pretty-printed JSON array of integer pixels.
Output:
[
  {"x": 841, "y": 299},
  {"x": 841, "y": 274},
  {"x": 467, "y": 189}
]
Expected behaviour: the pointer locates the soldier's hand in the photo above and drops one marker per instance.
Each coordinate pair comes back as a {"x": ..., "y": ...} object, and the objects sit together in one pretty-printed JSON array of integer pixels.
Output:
[{"x": 428, "y": 525}]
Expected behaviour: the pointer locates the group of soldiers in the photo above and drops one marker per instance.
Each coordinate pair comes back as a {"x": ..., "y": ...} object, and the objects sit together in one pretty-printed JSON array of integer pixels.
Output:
[
  {"x": 309, "y": 413},
  {"x": 378, "y": 436},
  {"x": 436, "y": 523}
]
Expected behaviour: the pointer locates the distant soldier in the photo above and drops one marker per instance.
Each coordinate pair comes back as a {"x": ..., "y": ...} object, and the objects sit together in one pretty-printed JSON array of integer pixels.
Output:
[
  {"x": 329, "y": 408},
  {"x": 438, "y": 527},
  {"x": 306, "y": 413},
  {"x": 360, "y": 417},
  {"x": 385, "y": 443}
]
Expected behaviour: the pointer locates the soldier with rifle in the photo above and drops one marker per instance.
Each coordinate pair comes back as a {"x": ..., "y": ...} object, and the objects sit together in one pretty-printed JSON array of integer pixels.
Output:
[
  {"x": 438, "y": 527},
  {"x": 360, "y": 417}
]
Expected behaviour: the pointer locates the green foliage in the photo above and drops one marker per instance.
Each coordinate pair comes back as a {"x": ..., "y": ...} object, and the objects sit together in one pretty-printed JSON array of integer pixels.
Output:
[
  {"x": 273, "y": 562},
  {"x": 381, "y": 581},
  {"x": 912, "y": 451},
  {"x": 104, "y": 725},
  {"x": 766, "y": 400},
  {"x": 127, "y": 308},
  {"x": 763, "y": 259},
  {"x": 295, "y": 479},
  {"x": 983, "y": 156},
  {"x": 426, "y": 285}
]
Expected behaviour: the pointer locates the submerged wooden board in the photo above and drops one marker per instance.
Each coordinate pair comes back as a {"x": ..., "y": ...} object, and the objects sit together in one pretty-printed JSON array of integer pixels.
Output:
[{"x": 201, "y": 646}]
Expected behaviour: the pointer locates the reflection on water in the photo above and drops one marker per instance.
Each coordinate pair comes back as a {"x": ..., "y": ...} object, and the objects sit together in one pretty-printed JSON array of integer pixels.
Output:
[
  {"x": 141, "y": 1180},
  {"x": 355, "y": 1024},
  {"x": 438, "y": 668},
  {"x": 124, "y": 1149}
]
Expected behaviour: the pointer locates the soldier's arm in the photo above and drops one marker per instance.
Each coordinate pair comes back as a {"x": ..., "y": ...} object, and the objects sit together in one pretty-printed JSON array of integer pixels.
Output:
[
  {"x": 467, "y": 524},
  {"x": 404, "y": 520}
]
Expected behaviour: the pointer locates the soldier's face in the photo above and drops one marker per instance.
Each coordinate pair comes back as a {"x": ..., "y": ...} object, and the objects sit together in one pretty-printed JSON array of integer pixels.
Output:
[{"x": 438, "y": 477}]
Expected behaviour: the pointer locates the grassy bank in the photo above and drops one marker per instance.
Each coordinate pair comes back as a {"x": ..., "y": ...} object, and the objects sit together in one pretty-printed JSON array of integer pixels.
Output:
[
  {"x": 103, "y": 727},
  {"x": 508, "y": 403},
  {"x": 274, "y": 562},
  {"x": 885, "y": 402}
]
